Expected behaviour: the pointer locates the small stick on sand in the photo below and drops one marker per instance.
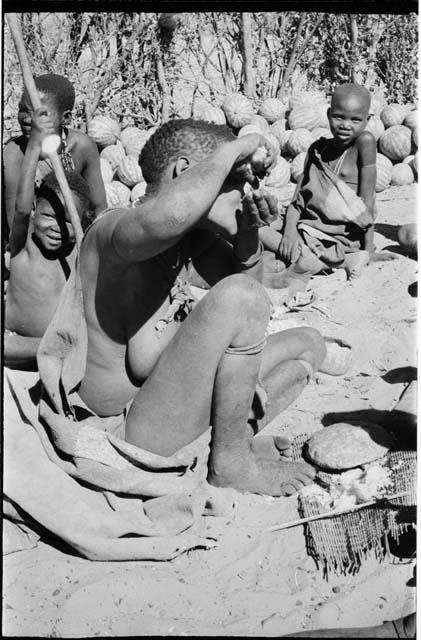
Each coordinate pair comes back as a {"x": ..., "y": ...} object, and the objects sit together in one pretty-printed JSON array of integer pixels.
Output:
[{"x": 331, "y": 514}]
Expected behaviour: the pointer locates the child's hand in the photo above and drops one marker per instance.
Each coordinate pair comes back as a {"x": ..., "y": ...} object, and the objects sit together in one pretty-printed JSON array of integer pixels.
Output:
[
  {"x": 289, "y": 247},
  {"x": 260, "y": 209},
  {"x": 42, "y": 125}
]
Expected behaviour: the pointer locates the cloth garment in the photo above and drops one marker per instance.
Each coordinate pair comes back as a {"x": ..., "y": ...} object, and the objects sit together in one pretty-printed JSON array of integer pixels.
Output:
[
  {"x": 332, "y": 216},
  {"x": 73, "y": 472}
]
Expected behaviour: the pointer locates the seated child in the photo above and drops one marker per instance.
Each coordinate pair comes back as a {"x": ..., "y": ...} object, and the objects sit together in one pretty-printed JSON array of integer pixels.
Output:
[
  {"x": 41, "y": 260},
  {"x": 78, "y": 152},
  {"x": 330, "y": 222}
]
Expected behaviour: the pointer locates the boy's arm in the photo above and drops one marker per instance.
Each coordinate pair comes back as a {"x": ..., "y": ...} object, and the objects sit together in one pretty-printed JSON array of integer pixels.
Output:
[
  {"x": 178, "y": 206},
  {"x": 12, "y": 160},
  {"x": 92, "y": 174},
  {"x": 41, "y": 126}
]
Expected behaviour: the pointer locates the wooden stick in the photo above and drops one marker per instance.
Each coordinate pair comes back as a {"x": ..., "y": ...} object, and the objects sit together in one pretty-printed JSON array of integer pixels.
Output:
[
  {"x": 28, "y": 80},
  {"x": 332, "y": 514}
]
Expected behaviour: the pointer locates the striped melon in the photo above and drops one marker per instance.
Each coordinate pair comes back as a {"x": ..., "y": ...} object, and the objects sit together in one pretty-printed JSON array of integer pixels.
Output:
[
  {"x": 209, "y": 113},
  {"x": 304, "y": 116},
  {"x": 297, "y": 166},
  {"x": 280, "y": 174},
  {"x": 117, "y": 194},
  {"x": 395, "y": 142},
  {"x": 260, "y": 122},
  {"x": 299, "y": 140},
  {"x": 104, "y": 131},
  {"x": 249, "y": 128},
  {"x": 306, "y": 97},
  {"x": 411, "y": 119},
  {"x": 278, "y": 128},
  {"x": 129, "y": 172},
  {"x": 238, "y": 110},
  {"x": 321, "y": 132},
  {"x": 121, "y": 190},
  {"x": 283, "y": 138},
  {"x": 107, "y": 172},
  {"x": 414, "y": 137},
  {"x": 274, "y": 142},
  {"x": 414, "y": 164},
  {"x": 138, "y": 191},
  {"x": 113, "y": 154},
  {"x": 393, "y": 114},
  {"x": 272, "y": 110},
  {"x": 133, "y": 140},
  {"x": 384, "y": 172},
  {"x": 402, "y": 174},
  {"x": 375, "y": 126},
  {"x": 322, "y": 111}
]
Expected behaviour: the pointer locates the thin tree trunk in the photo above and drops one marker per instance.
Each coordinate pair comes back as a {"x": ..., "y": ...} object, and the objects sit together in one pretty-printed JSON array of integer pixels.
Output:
[
  {"x": 353, "y": 27},
  {"x": 165, "y": 89},
  {"x": 247, "y": 51}
]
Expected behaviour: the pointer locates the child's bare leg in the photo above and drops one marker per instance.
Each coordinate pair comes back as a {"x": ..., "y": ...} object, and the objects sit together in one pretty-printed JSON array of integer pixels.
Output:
[
  {"x": 298, "y": 274},
  {"x": 196, "y": 383},
  {"x": 20, "y": 352},
  {"x": 355, "y": 263}
]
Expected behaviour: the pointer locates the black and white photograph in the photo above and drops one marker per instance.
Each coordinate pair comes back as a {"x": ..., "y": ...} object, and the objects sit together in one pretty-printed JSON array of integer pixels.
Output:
[{"x": 210, "y": 278}]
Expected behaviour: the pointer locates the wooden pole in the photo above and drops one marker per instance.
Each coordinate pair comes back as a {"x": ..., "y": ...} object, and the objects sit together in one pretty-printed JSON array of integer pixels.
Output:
[{"x": 50, "y": 147}]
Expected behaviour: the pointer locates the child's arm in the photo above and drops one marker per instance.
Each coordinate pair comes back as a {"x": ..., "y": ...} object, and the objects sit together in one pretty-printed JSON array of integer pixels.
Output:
[
  {"x": 41, "y": 126},
  {"x": 289, "y": 247},
  {"x": 92, "y": 174},
  {"x": 367, "y": 153},
  {"x": 12, "y": 160}
]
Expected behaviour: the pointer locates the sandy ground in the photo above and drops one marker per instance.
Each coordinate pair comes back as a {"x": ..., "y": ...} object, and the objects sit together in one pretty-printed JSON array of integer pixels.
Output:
[{"x": 254, "y": 583}]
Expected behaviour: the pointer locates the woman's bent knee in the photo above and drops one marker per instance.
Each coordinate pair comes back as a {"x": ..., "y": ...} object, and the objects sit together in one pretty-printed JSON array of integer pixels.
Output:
[
  {"x": 244, "y": 294},
  {"x": 316, "y": 346}
]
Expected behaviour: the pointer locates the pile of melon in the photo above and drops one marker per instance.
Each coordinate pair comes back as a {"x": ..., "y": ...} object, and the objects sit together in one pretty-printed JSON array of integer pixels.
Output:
[
  {"x": 119, "y": 158},
  {"x": 291, "y": 126}
]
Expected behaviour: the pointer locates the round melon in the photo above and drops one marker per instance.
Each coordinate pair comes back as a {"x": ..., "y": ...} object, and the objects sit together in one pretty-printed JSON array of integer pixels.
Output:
[
  {"x": 129, "y": 172},
  {"x": 107, "y": 172},
  {"x": 384, "y": 172},
  {"x": 260, "y": 122},
  {"x": 278, "y": 128},
  {"x": 104, "y": 130},
  {"x": 283, "y": 138},
  {"x": 209, "y": 113},
  {"x": 272, "y": 110},
  {"x": 138, "y": 191},
  {"x": 274, "y": 142},
  {"x": 249, "y": 128},
  {"x": 297, "y": 166},
  {"x": 114, "y": 154},
  {"x": 121, "y": 191},
  {"x": 133, "y": 140},
  {"x": 395, "y": 142},
  {"x": 375, "y": 126},
  {"x": 393, "y": 114},
  {"x": 414, "y": 137},
  {"x": 414, "y": 164},
  {"x": 321, "y": 132},
  {"x": 280, "y": 174},
  {"x": 377, "y": 104},
  {"x": 304, "y": 116},
  {"x": 299, "y": 140},
  {"x": 322, "y": 111},
  {"x": 402, "y": 174},
  {"x": 306, "y": 97},
  {"x": 408, "y": 159},
  {"x": 238, "y": 110},
  {"x": 407, "y": 238},
  {"x": 411, "y": 119}
]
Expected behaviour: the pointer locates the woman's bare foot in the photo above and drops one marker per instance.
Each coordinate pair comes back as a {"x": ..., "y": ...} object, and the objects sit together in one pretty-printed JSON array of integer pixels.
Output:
[
  {"x": 243, "y": 469},
  {"x": 355, "y": 263}
]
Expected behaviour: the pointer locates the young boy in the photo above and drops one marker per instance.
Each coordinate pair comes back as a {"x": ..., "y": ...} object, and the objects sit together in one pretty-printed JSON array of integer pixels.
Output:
[
  {"x": 78, "y": 152},
  {"x": 157, "y": 367},
  {"x": 41, "y": 260},
  {"x": 330, "y": 222}
]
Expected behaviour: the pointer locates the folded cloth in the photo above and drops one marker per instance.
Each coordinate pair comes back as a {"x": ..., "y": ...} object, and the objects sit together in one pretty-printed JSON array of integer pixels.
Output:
[
  {"x": 72, "y": 471},
  {"x": 330, "y": 211}
]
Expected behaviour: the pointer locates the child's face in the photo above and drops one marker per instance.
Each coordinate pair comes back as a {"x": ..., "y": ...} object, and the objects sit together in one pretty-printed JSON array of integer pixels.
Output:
[
  {"x": 25, "y": 113},
  {"x": 348, "y": 117},
  {"x": 53, "y": 231}
]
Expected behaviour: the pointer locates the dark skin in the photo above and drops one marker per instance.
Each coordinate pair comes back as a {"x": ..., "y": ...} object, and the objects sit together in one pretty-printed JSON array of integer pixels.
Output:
[{"x": 80, "y": 146}]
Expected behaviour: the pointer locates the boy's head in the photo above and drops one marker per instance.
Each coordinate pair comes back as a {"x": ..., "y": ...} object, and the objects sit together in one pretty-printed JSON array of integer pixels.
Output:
[
  {"x": 56, "y": 93},
  {"x": 179, "y": 145},
  {"x": 349, "y": 112},
  {"x": 51, "y": 220},
  {"x": 180, "y": 138}
]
